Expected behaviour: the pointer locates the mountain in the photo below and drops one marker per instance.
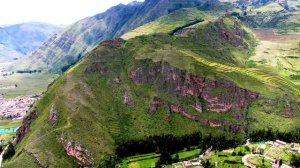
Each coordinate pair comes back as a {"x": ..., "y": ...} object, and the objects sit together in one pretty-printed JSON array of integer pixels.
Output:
[
  {"x": 26, "y": 37},
  {"x": 69, "y": 46},
  {"x": 8, "y": 55},
  {"x": 18, "y": 40},
  {"x": 124, "y": 94}
]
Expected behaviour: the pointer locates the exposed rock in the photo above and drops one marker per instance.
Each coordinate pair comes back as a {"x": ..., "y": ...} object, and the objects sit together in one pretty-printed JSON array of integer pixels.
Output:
[
  {"x": 218, "y": 96},
  {"x": 155, "y": 104},
  {"x": 197, "y": 107},
  {"x": 116, "y": 81},
  {"x": 53, "y": 115},
  {"x": 127, "y": 99},
  {"x": 184, "y": 32},
  {"x": 77, "y": 151},
  {"x": 113, "y": 43},
  {"x": 288, "y": 111},
  {"x": 98, "y": 67},
  {"x": 214, "y": 124},
  {"x": 234, "y": 34},
  {"x": 25, "y": 128},
  {"x": 182, "y": 111}
]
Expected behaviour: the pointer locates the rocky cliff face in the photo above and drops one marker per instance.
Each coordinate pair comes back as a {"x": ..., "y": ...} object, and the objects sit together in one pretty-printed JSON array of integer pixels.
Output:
[
  {"x": 25, "y": 128},
  {"x": 209, "y": 95},
  {"x": 216, "y": 95},
  {"x": 75, "y": 150}
]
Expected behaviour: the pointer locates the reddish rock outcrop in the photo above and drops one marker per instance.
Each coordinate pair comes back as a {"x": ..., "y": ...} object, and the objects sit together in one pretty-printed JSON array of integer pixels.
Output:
[
  {"x": 127, "y": 98},
  {"x": 288, "y": 111},
  {"x": 113, "y": 43},
  {"x": 182, "y": 111},
  {"x": 98, "y": 67},
  {"x": 155, "y": 104},
  {"x": 76, "y": 150},
  {"x": 197, "y": 107},
  {"x": 219, "y": 96},
  {"x": 53, "y": 115},
  {"x": 25, "y": 128}
]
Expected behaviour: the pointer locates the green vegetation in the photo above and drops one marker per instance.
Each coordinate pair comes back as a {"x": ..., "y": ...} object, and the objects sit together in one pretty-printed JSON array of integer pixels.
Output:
[
  {"x": 151, "y": 160},
  {"x": 185, "y": 155},
  {"x": 168, "y": 23},
  {"x": 256, "y": 160},
  {"x": 227, "y": 160},
  {"x": 9, "y": 123},
  {"x": 269, "y": 8},
  {"x": 102, "y": 109},
  {"x": 26, "y": 84},
  {"x": 295, "y": 160},
  {"x": 9, "y": 152},
  {"x": 148, "y": 160}
]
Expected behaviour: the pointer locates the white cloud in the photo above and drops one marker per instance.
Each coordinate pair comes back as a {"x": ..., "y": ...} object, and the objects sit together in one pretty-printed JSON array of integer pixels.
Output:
[{"x": 52, "y": 11}]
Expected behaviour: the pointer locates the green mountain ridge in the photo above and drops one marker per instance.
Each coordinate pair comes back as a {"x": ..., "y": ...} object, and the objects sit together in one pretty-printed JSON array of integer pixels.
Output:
[
  {"x": 153, "y": 85},
  {"x": 69, "y": 46}
]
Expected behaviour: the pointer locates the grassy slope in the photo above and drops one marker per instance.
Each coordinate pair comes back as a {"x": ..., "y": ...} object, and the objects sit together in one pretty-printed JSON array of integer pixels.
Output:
[
  {"x": 279, "y": 52},
  {"x": 166, "y": 24},
  {"x": 92, "y": 102},
  {"x": 28, "y": 84}
]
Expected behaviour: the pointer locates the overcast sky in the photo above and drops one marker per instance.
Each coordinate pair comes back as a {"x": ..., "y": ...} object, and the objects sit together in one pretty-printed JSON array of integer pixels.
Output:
[{"x": 59, "y": 12}]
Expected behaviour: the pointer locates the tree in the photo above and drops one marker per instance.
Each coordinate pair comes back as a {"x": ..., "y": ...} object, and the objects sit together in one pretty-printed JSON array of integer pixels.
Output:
[
  {"x": 165, "y": 158},
  {"x": 207, "y": 164},
  {"x": 176, "y": 159},
  {"x": 295, "y": 160},
  {"x": 247, "y": 148},
  {"x": 9, "y": 152}
]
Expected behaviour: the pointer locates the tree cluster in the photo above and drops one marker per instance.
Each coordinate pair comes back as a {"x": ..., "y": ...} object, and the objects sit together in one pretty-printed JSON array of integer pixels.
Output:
[{"x": 266, "y": 135}]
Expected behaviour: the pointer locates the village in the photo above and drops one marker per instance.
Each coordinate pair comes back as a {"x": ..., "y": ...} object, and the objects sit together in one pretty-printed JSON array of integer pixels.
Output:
[{"x": 16, "y": 108}]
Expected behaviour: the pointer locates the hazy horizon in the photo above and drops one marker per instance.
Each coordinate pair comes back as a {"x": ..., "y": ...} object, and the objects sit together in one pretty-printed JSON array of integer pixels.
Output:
[{"x": 56, "y": 12}]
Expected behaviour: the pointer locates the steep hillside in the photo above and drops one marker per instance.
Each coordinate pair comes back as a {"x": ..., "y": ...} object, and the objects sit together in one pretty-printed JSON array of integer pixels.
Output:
[
  {"x": 154, "y": 85},
  {"x": 166, "y": 24},
  {"x": 68, "y": 47},
  {"x": 26, "y": 37}
]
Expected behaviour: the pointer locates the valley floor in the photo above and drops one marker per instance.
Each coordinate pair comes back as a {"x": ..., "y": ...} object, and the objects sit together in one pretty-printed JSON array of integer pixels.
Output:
[
  {"x": 256, "y": 154},
  {"x": 18, "y": 93}
]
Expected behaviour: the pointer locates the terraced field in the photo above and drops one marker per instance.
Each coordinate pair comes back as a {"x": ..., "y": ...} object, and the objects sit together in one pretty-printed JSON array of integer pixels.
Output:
[{"x": 278, "y": 52}]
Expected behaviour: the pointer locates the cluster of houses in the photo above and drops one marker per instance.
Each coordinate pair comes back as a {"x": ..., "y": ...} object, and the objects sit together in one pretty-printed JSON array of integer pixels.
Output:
[{"x": 16, "y": 109}]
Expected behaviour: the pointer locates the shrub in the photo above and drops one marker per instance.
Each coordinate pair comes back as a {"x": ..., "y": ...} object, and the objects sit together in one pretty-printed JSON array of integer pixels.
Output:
[
  {"x": 295, "y": 160},
  {"x": 9, "y": 152}
]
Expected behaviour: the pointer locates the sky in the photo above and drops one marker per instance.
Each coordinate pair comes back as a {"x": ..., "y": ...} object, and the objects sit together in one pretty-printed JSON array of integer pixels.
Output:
[{"x": 58, "y": 12}]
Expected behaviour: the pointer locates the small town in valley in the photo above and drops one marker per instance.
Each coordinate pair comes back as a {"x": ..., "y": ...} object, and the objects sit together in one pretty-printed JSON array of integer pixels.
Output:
[{"x": 16, "y": 108}]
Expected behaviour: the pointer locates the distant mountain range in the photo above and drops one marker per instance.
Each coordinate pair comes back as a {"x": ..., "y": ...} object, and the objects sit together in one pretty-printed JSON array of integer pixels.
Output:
[
  {"x": 69, "y": 46},
  {"x": 20, "y": 39}
]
